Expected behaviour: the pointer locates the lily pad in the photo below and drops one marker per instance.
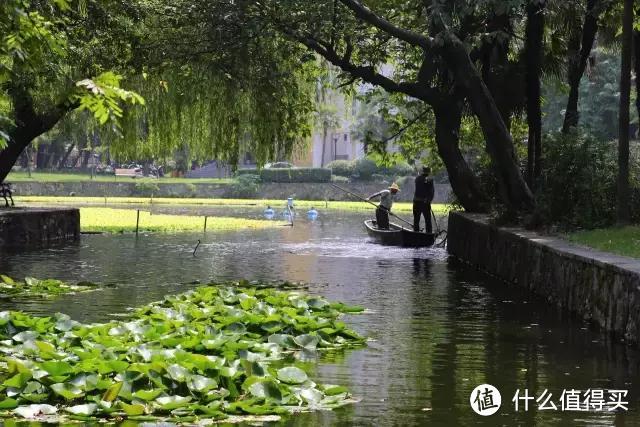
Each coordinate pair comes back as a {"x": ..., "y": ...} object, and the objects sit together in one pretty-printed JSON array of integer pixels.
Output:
[
  {"x": 34, "y": 411},
  {"x": 292, "y": 375},
  {"x": 88, "y": 409}
]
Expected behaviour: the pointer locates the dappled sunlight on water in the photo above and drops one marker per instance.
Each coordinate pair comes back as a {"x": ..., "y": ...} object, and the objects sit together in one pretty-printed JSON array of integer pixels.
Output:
[{"x": 437, "y": 329}]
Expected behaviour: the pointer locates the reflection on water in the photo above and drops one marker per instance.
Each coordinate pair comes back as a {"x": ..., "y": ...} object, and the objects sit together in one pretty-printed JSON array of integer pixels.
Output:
[{"x": 437, "y": 329}]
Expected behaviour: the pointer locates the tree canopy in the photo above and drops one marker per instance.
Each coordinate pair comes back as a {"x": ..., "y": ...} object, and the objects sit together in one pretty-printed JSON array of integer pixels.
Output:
[{"x": 218, "y": 78}]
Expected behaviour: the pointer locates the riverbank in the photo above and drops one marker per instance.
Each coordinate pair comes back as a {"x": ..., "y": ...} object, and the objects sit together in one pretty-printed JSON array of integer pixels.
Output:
[
  {"x": 618, "y": 240},
  {"x": 53, "y": 177},
  {"x": 38, "y": 227},
  {"x": 276, "y": 203},
  {"x": 600, "y": 287},
  {"x": 127, "y": 187}
]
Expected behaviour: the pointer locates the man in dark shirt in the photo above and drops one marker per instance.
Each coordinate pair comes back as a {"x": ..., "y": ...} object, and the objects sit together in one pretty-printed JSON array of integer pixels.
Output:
[{"x": 422, "y": 200}]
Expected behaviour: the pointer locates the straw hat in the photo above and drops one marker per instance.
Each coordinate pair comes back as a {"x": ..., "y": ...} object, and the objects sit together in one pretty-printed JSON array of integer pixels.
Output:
[{"x": 394, "y": 186}]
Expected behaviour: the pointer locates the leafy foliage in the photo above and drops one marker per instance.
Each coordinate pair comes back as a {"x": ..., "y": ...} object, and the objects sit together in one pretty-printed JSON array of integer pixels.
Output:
[
  {"x": 599, "y": 98},
  {"x": 244, "y": 186},
  {"x": 217, "y": 350},
  {"x": 32, "y": 287},
  {"x": 577, "y": 189},
  {"x": 102, "y": 96}
]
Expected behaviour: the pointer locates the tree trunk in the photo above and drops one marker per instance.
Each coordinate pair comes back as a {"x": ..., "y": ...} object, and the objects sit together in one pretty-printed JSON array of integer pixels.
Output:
[
  {"x": 495, "y": 66},
  {"x": 513, "y": 188},
  {"x": 463, "y": 182},
  {"x": 579, "y": 52},
  {"x": 534, "y": 33},
  {"x": 29, "y": 125},
  {"x": 9, "y": 156},
  {"x": 623, "y": 212},
  {"x": 324, "y": 143},
  {"x": 636, "y": 66},
  {"x": 64, "y": 159}
]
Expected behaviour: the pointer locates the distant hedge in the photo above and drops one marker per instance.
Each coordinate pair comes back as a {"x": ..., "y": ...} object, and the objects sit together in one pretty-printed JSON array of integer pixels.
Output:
[
  {"x": 289, "y": 175},
  {"x": 366, "y": 169}
]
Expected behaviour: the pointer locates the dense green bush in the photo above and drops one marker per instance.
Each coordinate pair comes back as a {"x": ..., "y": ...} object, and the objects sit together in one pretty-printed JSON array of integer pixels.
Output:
[
  {"x": 364, "y": 169},
  {"x": 339, "y": 179},
  {"x": 146, "y": 188},
  {"x": 401, "y": 169},
  {"x": 342, "y": 167},
  {"x": 290, "y": 175},
  {"x": 577, "y": 187},
  {"x": 244, "y": 186},
  {"x": 191, "y": 189}
]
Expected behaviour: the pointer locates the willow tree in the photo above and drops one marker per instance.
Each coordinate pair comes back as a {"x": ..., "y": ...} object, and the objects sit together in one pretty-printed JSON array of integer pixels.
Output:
[
  {"x": 48, "y": 54},
  {"x": 220, "y": 86}
]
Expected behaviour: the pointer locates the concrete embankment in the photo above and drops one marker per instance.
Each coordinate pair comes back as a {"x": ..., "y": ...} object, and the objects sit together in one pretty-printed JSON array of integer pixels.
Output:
[
  {"x": 132, "y": 188},
  {"x": 601, "y": 287},
  {"x": 38, "y": 227}
]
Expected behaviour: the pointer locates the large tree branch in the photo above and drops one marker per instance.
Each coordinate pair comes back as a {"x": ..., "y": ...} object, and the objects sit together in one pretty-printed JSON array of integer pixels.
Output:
[
  {"x": 365, "y": 73},
  {"x": 367, "y": 15}
]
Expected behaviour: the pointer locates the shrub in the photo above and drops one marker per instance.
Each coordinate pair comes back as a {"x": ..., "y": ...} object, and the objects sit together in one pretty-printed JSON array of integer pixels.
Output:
[
  {"x": 339, "y": 179},
  {"x": 244, "y": 186},
  {"x": 365, "y": 168},
  {"x": 289, "y": 174},
  {"x": 402, "y": 169},
  {"x": 296, "y": 175},
  {"x": 146, "y": 188},
  {"x": 578, "y": 183},
  {"x": 342, "y": 167},
  {"x": 191, "y": 189}
]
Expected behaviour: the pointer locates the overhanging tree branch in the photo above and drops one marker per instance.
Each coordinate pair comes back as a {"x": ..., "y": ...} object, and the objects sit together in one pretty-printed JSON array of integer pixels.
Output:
[
  {"x": 366, "y": 73},
  {"x": 367, "y": 15}
]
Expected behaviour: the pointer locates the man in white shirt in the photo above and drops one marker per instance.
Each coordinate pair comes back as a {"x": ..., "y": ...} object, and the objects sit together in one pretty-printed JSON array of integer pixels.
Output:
[{"x": 386, "y": 201}]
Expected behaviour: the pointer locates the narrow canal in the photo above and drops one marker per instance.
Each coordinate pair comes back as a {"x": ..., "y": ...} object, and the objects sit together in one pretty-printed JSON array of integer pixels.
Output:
[{"x": 437, "y": 329}]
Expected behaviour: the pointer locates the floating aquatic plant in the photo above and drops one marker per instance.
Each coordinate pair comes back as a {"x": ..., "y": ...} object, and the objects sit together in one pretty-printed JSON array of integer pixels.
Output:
[
  {"x": 32, "y": 287},
  {"x": 125, "y": 220},
  {"x": 210, "y": 353}
]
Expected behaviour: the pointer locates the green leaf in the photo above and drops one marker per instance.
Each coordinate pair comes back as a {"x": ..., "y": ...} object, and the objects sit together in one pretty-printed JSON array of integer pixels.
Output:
[
  {"x": 57, "y": 368},
  {"x": 18, "y": 381},
  {"x": 132, "y": 410},
  {"x": 173, "y": 402},
  {"x": 112, "y": 392},
  {"x": 266, "y": 389},
  {"x": 88, "y": 409},
  {"x": 68, "y": 391},
  {"x": 332, "y": 390},
  {"x": 8, "y": 280},
  {"x": 306, "y": 341},
  {"x": 147, "y": 395},
  {"x": 8, "y": 404},
  {"x": 292, "y": 375},
  {"x": 201, "y": 384}
]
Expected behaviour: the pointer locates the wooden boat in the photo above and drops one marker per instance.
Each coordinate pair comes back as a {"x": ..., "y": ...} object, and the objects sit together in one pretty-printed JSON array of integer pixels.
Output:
[{"x": 399, "y": 236}]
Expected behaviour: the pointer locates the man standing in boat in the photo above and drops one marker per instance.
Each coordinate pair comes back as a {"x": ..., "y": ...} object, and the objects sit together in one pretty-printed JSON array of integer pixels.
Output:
[
  {"x": 422, "y": 200},
  {"x": 386, "y": 201}
]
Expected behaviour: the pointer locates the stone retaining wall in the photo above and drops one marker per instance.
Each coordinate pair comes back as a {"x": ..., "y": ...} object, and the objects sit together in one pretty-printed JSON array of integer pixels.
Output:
[
  {"x": 38, "y": 227},
  {"x": 598, "y": 286},
  {"x": 301, "y": 191}
]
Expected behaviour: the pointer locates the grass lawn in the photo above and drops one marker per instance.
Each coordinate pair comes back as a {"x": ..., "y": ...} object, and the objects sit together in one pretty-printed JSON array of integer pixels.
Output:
[
  {"x": 304, "y": 204},
  {"x": 124, "y": 220},
  {"x": 618, "y": 240},
  {"x": 78, "y": 177}
]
